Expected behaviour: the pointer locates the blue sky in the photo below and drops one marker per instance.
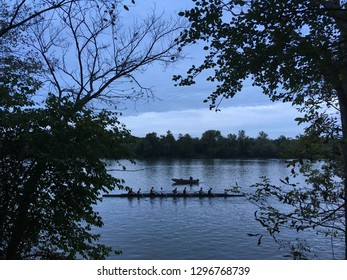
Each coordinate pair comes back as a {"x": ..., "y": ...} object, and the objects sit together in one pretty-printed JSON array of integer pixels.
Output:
[{"x": 181, "y": 109}]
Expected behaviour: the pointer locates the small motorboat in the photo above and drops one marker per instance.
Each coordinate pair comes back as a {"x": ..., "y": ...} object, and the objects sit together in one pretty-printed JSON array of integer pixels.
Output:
[{"x": 185, "y": 181}]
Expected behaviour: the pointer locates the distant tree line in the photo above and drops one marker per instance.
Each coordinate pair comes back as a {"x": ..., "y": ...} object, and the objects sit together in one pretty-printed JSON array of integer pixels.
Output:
[{"x": 212, "y": 144}]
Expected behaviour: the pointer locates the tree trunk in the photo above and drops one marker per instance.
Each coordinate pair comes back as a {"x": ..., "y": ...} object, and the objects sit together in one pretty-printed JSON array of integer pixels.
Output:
[
  {"x": 344, "y": 129},
  {"x": 341, "y": 87},
  {"x": 21, "y": 223},
  {"x": 342, "y": 95}
]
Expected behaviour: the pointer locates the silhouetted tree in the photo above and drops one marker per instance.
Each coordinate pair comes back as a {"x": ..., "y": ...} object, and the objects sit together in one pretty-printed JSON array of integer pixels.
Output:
[
  {"x": 295, "y": 51},
  {"x": 58, "y": 60}
]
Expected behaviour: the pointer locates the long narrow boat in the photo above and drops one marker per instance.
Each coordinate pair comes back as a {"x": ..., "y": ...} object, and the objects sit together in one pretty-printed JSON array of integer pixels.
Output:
[
  {"x": 174, "y": 195},
  {"x": 185, "y": 181}
]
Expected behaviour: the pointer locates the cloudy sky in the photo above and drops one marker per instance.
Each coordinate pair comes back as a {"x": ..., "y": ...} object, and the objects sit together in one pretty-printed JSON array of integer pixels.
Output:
[{"x": 181, "y": 109}]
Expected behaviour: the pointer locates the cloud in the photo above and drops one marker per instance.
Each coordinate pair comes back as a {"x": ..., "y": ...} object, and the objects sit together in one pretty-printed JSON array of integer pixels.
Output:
[
  {"x": 181, "y": 109},
  {"x": 275, "y": 119}
]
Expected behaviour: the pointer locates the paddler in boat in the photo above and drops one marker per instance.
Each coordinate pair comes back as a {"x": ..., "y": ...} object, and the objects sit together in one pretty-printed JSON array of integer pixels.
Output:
[
  {"x": 139, "y": 192},
  {"x": 210, "y": 192},
  {"x": 161, "y": 192},
  {"x": 201, "y": 192},
  {"x": 174, "y": 191},
  {"x": 130, "y": 192},
  {"x": 152, "y": 191},
  {"x": 185, "y": 191}
]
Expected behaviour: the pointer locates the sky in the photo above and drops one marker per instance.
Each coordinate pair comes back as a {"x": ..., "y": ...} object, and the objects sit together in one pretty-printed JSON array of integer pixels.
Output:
[{"x": 182, "y": 110}]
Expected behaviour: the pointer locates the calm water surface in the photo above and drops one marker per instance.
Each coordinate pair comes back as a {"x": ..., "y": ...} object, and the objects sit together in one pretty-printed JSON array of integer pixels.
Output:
[{"x": 195, "y": 228}]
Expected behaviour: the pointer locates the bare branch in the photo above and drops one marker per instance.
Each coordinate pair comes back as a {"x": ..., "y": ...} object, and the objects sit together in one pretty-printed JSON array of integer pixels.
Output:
[
  {"x": 100, "y": 55},
  {"x": 19, "y": 11}
]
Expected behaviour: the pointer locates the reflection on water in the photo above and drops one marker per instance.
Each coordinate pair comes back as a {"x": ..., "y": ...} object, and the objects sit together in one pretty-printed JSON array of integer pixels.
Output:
[{"x": 194, "y": 228}]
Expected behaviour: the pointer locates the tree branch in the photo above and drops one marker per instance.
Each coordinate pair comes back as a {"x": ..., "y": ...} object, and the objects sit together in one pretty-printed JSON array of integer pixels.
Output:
[{"x": 12, "y": 25}]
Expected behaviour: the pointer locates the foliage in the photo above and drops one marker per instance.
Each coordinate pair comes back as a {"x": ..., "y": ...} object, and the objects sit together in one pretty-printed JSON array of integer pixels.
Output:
[
  {"x": 52, "y": 172},
  {"x": 213, "y": 144},
  {"x": 295, "y": 52},
  {"x": 288, "y": 48},
  {"x": 59, "y": 62},
  {"x": 317, "y": 206}
]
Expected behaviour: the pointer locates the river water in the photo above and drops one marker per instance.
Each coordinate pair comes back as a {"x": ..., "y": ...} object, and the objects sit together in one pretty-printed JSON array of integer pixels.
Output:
[{"x": 197, "y": 228}]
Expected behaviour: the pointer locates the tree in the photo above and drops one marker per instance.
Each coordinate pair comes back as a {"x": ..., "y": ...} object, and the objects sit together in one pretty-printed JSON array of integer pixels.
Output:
[
  {"x": 231, "y": 146},
  {"x": 243, "y": 143},
  {"x": 59, "y": 60},
  {"x": 186, "y": 145},
  {"x": 103, "y": 56},
  {"x": 151, "y": 145},
  {"x": 52, "y": 172},
  {"x": 22, "y": 15},
  {"x": 168, "y": 144},
  {"x": 209, "y": 142},
  {"x": 294, "y": 51},
  {"x": 263, "y": 146}
]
